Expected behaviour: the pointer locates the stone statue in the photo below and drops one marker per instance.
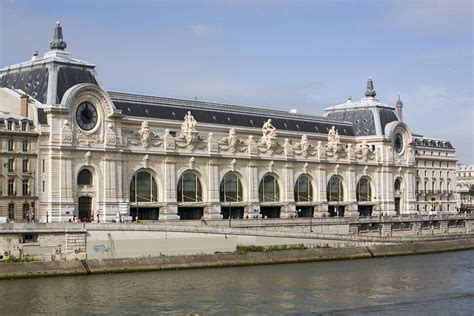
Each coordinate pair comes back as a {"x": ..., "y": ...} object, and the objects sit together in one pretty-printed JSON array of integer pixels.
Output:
[
  {"x": 145, "y": 134},
  {"x": 231, "y": 142},
  {"x": 268, "y": 130},
  {"x": 304, "y": 147},
  {"x": 189, "y": 134},
  {"x": 268, "y": 142}
]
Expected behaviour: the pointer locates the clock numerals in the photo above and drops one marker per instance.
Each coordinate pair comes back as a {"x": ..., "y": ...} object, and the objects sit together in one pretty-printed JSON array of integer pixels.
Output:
[{"x": 86, "y": 116}]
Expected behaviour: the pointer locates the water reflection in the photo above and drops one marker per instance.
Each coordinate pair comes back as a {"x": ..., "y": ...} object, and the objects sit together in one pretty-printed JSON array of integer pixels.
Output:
[{"x": 388, "y": 285}]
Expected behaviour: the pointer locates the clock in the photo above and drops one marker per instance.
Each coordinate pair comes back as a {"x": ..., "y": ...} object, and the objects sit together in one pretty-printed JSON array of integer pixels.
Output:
[
  {"x": 86, "y": 116},
  {"x": 398, "y": 141}
]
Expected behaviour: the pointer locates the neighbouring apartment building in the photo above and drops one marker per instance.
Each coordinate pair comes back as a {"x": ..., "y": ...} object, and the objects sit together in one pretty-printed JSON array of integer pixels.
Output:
[{"x": 101, "y": 152}]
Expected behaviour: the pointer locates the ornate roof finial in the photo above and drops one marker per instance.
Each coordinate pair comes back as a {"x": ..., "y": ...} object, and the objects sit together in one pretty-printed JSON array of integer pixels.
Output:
[
  {"x": 399, "y": 101},
  {"x": 370, "y": 89},
  {"x": 58, "y": 43}
]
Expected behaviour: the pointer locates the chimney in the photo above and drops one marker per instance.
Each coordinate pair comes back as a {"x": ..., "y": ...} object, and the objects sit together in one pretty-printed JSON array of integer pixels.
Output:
[{"x": 24, "y": 105}]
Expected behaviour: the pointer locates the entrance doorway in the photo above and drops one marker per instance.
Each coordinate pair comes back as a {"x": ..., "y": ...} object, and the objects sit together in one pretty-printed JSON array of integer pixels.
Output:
[
  {"x": 85, "y": 208},
  {"x": 237, "y": 212},
  {"x": 305, "y": 211},
  {"x": 365, "y": 210},
  {"x": 145, "y": 213},
  {"x": 190, "y": 212},
  {"x": 270, "y": 212},
  {"x": 336, "y": 210}
]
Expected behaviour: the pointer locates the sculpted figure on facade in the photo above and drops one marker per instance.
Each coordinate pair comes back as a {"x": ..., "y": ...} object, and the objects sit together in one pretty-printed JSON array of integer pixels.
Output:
[
  {"x": 304, "y": 147},
  {"x": 189, "y": 135},
  {"x": 212, "y": 144},
  {"x": 321, "y": 150},
  {"x": 231, "y": 142},
  {"x": 110, "y": 136},
  {"x": 268, "y": 142},
  {"x": 288, "y": 148},
  {"x": 66, "y": 132},
  {"x": 169, "y": 141},
  {"x": 146, "y": 134},
  {"x": 363, "y": 151},
  {"x": 334, "y": 147},
  {"x": 252, "y": 146}
]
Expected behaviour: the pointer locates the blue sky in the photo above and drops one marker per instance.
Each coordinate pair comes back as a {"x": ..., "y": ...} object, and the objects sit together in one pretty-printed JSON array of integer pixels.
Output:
[{"x": 277, "y": 54}]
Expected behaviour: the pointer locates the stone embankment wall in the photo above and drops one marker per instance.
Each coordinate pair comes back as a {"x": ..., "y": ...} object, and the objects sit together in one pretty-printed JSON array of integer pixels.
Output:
[{"x": 96, "y": 266}]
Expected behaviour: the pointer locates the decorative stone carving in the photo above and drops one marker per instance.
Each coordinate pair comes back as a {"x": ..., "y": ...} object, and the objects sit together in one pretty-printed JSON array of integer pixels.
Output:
[
  {"x": 110, "y": 136},
  {"x": 321, "y": 150},
  {"x": 334, "y": 148},
  {"x": 232, "y": 164},
  {"x": 169, "y": 141},
  {"x": 191, "y": 163},
  {"x": 86, "y": 139},
  {"x": 288, "y": 148},
  {"x": 212, "y": 143},
  {"x": 304, "y": 147},
  {"x": 66, "y": 132},
  {"x": 87, "y": 158},
  {"x": 270, "y": 166},
  {"x": 145, "y": 161},
  {"x": 305, "y": 167},
  {"x": 411, "y": 155},
  {"x": 363, "y": 151},
  {"x": 189, "y": 136},
  {"x": 252, "y": 146},
  {"x": 231, "y": 142},
  {"x": 145, "y": 134},
  {"x": 268, "y": 143}
]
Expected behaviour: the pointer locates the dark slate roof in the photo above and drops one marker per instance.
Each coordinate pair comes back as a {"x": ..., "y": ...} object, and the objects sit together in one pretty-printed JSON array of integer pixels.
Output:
[
  {"x": 33, "y": 81},
  {"x": 432, "y": 143},
  {"x": 386, "y": 116},
  {"x": 362, "y": 120},
  {"x": 214, "y": 113}
]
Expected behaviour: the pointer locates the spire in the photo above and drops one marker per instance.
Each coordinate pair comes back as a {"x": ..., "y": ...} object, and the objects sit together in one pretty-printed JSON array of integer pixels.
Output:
[
  {"x": 399, "y": 108},
  {"x": 370, "y": 89},
  {"x": 58, "y": 43}
]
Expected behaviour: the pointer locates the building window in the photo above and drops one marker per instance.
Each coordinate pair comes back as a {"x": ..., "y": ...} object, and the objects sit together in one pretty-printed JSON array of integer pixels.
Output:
[
  {"x": 84, "y": 177},
  {"x": 189, "y": 188},
  {"x": 303, "y": 189},
  {"x": 26, "y": 211},
  {"x": 10, "y": 145},
  {"x": 25, "y": 145},
  {"x": 143, "y": 188},
  {"x": 25, "y": 165},
  {"x": 334, "y": 190},
  {"x": 11, "y": 187},
  {"x": 231, "y": 189},
  {"x": 11, "y": 211},
  {"x": 268, "y": 190},
  {"x": 42, "y": 168},
  {"x": 11, "y": 164},
  {"x": 11, "y": 126},
  {"x": 43, "y": 186},
  {"x": 25, "y": 188},
  {"x": 24, "y": 126},
  {"x": 363, "y": 190}
]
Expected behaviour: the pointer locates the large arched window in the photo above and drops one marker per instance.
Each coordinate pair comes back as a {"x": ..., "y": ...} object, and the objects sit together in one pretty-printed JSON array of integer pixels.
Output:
[
  {"x": 143, "y": 188},
  {"x": 84, "y": 177},
  {"x": 231, "y": 189},
  {"x": 335, "y": 191},
  {"x": 363, "y": 191},
  {"x": 268, "y": 190},
  {"x": 303, "y": 189},
  {"x": 189, "y": 188}
]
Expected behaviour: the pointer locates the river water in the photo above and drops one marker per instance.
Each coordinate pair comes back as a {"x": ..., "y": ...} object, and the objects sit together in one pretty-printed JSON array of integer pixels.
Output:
[{"x": 436, "y": 284}]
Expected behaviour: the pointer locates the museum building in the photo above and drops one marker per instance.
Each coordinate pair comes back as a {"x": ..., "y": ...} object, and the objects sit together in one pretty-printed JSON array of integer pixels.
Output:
[{"x": 98, "y": 153}]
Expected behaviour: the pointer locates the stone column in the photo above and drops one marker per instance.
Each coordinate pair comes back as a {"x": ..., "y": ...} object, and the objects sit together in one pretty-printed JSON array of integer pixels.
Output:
[
  {"x": 387, "y": 197},
  {"x": 288, "y": 198},
  {"x": 213, "y": 210},
  {"x": 252, "y": 190},
  {"x": 321, "y": 209},
  {"x": 169, "y": 211},
  {"x": 351, "y": 209}
]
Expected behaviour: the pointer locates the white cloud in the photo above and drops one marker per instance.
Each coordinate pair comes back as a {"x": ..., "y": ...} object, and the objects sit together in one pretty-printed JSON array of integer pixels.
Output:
[{"x": 199, "y": 29}]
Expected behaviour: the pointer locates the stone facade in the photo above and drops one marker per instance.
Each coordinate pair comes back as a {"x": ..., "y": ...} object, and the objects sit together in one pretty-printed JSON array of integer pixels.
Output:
[{"x": 104, "y": 154}]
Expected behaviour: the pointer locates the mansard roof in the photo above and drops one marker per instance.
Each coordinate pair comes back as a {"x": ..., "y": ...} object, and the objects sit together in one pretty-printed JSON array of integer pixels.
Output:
[
  {"x": 432, "y": 143},
  {"x": 225, "y": 114}
]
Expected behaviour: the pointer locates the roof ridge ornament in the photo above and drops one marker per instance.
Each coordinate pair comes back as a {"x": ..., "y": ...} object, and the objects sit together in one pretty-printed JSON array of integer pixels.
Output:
[
  {"x": 370, "y": 89},
  {"x": 399, "y": 101},
  {"x": 58, "y": 42}
]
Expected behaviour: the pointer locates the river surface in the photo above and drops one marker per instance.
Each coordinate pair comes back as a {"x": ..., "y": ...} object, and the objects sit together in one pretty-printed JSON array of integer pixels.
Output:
[{"x": 437, "y": 284}]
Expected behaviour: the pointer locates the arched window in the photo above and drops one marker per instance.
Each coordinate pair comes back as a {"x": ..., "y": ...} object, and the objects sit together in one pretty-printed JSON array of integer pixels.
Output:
[
  {"x": 363, "y": 190},
  {"x": 84, "y": 177},
  {"x": 189, "y": 188},
  {"x": 231, "y": 189},
  {"x": 143, "y": 188},
  {"x": 268, "y": 190},
  {"x": 303, "y": 189},
  {"x": 335, "y": 191},
  {"x": 11, "y": 211}
]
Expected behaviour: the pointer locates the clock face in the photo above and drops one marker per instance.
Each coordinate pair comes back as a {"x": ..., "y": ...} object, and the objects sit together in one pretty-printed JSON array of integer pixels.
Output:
[
  {"x": 86, "y": 116},
  {"x": 398, "y": 143}
]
